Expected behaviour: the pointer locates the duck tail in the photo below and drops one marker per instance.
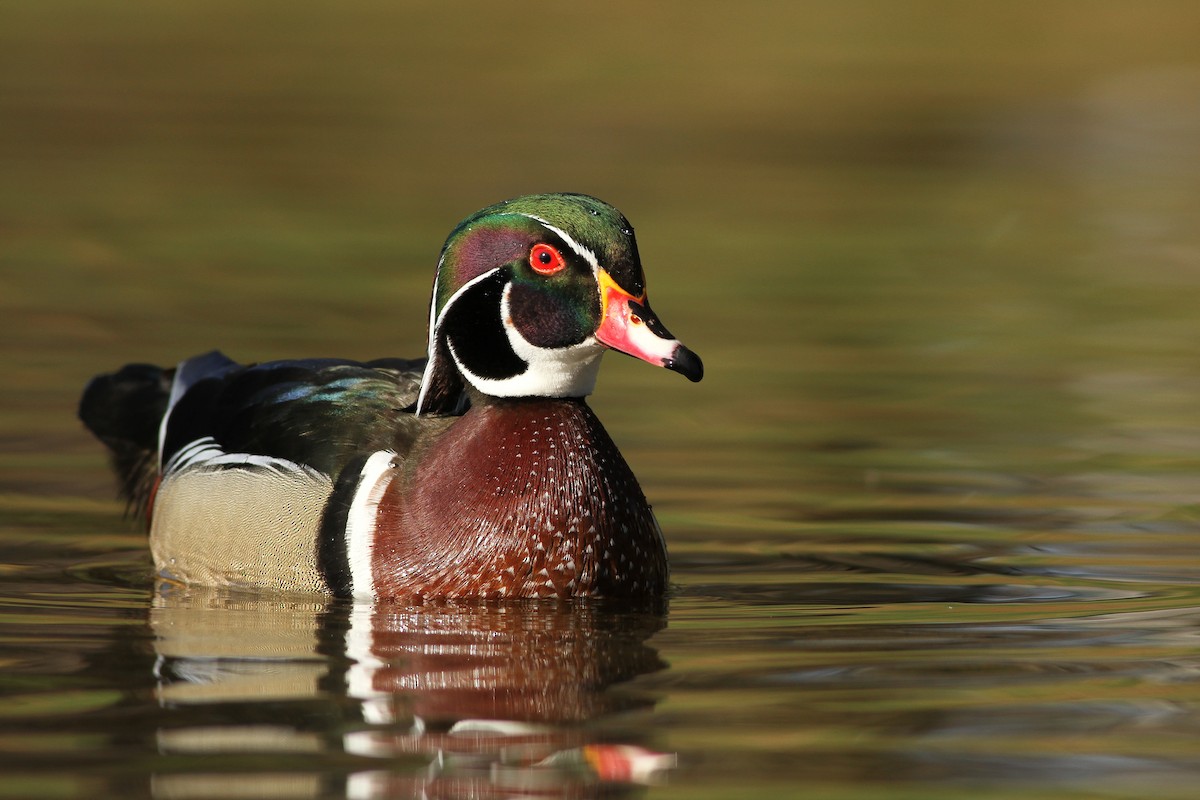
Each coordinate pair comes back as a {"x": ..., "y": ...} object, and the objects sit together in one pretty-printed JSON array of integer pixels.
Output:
[{"x": 124, "y": 410}]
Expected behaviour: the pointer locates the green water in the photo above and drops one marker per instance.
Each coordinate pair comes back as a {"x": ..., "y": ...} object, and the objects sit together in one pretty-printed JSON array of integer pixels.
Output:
[{"x": 934, "y": 512}]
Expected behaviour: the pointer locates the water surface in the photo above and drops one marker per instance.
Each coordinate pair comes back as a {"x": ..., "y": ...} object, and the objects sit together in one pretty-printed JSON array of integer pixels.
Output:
[{"x": 934, "y": 513}]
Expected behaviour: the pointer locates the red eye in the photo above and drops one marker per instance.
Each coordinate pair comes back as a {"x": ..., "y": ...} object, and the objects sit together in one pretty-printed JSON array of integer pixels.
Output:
[{"x": 545, "y": 260}]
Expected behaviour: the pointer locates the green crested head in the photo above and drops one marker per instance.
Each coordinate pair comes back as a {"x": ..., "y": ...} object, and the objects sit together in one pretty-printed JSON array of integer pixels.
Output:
[
  {"x": 501, "y": 234},
  {"x": 529, "y": 292}
]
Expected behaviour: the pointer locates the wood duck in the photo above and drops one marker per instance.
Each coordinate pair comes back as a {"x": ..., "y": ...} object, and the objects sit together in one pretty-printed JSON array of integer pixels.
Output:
[{"x": 479, "y": 471}]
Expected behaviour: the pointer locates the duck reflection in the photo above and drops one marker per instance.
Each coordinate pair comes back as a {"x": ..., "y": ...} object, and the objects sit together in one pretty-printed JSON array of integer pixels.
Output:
[{"x": 460, "y": 699}]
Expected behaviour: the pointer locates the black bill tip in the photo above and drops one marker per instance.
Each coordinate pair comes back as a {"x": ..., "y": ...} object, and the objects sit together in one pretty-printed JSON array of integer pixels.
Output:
[{"x": 686, "y": 363}]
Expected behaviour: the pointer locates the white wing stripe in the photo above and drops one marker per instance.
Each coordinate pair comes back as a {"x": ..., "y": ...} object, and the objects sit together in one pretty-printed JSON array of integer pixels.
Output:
[{"x": 205, "y": 452}]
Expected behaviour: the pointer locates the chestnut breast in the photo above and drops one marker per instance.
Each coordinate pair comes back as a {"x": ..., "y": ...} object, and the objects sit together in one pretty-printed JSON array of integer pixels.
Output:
[{"x": 519, "y": 498}]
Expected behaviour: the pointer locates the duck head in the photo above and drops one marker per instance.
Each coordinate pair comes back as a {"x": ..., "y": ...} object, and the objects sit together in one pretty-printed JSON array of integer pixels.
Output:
[{"x": 529, "y": 294}]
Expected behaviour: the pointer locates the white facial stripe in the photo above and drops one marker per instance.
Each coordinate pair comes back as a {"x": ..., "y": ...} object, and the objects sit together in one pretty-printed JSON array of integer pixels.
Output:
[
  {"x": 433, "y": 303},
  {"x": 435, "y": 326},
  {"x": 584, "y": 253}
]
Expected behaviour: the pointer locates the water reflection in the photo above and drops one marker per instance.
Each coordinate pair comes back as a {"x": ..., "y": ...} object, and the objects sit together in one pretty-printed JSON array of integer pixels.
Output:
[{"x": 454, "y": 700}]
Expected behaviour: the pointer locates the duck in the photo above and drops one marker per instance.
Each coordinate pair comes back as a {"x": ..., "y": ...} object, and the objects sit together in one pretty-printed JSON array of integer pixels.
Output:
[{"x": 477, "y": 471}]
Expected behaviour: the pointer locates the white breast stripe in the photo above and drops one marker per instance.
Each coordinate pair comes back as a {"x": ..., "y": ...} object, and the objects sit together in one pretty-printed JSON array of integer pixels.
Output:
[{"x": 360, "y": 521}]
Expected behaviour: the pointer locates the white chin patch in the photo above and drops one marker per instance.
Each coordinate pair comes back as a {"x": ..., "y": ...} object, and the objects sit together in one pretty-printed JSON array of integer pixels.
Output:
[{"x": 552, "y": 372}]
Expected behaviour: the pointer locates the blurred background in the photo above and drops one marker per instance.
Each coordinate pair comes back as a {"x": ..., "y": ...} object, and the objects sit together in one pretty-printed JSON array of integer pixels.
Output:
[
  {"x": 838, "y": 204},
  {"x": 941, "y": 260},
  {"x": 974, "y": 225}
]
